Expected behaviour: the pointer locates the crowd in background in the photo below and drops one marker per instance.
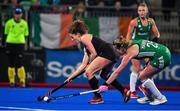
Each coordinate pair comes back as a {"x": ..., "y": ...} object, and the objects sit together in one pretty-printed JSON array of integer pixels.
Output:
[
  {"x": 80, "y": 7},
  {"x": 56, "y": 6}
]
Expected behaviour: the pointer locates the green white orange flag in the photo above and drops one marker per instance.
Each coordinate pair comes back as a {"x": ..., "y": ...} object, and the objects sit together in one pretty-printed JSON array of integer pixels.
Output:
[{"x": 51, "y": 30}]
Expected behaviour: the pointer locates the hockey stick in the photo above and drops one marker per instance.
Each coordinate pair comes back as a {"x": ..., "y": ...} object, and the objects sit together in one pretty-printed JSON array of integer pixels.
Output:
[
  {"x": 40, "y": 98},
  {"x": 69, "y": 95}
]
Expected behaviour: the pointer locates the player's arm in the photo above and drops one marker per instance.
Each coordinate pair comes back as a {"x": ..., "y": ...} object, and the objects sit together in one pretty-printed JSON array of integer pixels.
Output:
[
  {"x": 155, "y": 31},
  {"x": 131, "y": 27},
  {"x": 131, "y": 52},
  {"x": 6, "y": 31},
  {"x": 26, "y": 31},
  {"x": 82, "y": 67},
  {"x": 86, "y": 39}
]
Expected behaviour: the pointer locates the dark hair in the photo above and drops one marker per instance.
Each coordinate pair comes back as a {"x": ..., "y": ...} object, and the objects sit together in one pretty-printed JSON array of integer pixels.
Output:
[{"x": 78, "y": 26}]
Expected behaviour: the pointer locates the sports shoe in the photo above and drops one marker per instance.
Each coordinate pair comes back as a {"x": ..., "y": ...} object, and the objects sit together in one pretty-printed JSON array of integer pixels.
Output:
[
  {"x": 11, "y": 84},
  {"x": 144, "y": 100},
  {"x": 126, "y": 95},
  {"x": 134, "y": 95},
  {"x": 22, "y": 84},
  {"x": 96, "y": 100},
  {"x": 159, "y": 101}
]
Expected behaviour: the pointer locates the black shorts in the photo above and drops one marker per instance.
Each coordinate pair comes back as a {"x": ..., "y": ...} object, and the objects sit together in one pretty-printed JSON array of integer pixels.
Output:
[{"x": 108, "y": 52}]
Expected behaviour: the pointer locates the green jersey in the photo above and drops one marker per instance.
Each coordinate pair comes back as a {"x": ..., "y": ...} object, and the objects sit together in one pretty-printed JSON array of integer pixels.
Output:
[
  {"x": 159, "y": 54},
  {"x": 142, "y": 32},
  {"x": 16, "y": 32}
]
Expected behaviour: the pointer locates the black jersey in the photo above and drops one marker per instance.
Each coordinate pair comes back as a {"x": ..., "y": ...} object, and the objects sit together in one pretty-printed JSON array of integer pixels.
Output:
[{"x": 104, "y": 49}]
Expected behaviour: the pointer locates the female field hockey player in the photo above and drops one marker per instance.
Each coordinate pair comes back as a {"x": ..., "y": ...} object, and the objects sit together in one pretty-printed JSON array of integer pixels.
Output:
[
  {"x": 159, "y": 57},
  {"x": 140, "y": 28},
  {"x": 98, "y": 55}
]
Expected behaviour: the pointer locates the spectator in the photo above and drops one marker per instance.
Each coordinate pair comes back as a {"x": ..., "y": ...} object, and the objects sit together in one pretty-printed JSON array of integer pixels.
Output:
[
  {"x": 117, "y": 5},
  {"x": 101, "y": 3},
  {"x": 13, "y": 4},
  {"x": 35, "y": 5},
  {"x": 79, "y": 11},
  {"x": 52, "y": 3}
]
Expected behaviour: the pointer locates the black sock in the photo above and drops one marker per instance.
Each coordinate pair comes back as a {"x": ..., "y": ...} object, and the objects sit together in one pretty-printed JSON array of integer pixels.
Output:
[
  {"x": 115, "y": 83},
  {"x": 94, "y": 85},
  {"x": 118, "y": 86}
]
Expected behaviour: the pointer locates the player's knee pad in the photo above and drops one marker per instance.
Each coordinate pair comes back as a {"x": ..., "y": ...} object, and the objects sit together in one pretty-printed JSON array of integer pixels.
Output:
[{"x": 88, "y": 74}]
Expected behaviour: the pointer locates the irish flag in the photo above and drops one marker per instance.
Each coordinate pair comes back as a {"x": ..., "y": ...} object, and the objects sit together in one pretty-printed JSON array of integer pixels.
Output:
[
  {"x": 51, "y": 30},
  {"x": 108, "y": 28}
]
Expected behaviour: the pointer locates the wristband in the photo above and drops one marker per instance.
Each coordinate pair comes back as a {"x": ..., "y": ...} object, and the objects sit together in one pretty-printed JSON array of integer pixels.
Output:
[
  {"x": 155, "y": 39},
  {"x": 106, "y": 84}
]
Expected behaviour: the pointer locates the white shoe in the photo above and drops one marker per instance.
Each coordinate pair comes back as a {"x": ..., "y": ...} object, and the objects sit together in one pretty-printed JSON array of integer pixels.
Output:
[
  {"x": 159, "y": 101},
  {"x": 144, "y": 100}
]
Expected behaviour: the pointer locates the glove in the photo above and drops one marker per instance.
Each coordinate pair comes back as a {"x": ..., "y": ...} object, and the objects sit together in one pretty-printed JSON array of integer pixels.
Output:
[
  {"x": 155, "y": 39},
  {"x": 103, "y": 88}
]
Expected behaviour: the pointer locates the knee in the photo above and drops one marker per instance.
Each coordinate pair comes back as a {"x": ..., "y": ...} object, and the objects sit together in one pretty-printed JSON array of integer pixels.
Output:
[
  {"x": 142, "y": 77},
  {"x": 88, "y": 74},
  {"x": 136, "y": 69}
]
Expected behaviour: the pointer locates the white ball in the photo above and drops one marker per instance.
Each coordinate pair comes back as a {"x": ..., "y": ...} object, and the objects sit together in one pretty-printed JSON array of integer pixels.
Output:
[{"x": 45, "y": 98}]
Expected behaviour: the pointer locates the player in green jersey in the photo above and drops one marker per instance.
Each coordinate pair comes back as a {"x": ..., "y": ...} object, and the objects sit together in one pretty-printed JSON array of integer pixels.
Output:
[
  {"x": 159, "y": 57},
  {"x": 16, "y": 32},
  {"x": 140, "y": 28}
]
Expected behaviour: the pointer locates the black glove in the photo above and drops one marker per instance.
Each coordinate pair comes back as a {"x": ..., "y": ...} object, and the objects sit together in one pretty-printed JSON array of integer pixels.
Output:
[
  {"x": 155, "y": 39},
  {"x": 106, "y": 84}
]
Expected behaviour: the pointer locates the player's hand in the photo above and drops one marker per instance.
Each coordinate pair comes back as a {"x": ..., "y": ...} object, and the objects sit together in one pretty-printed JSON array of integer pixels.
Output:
[
  {"x": 68, "y": 79},
  {"x": 102, "y": 88}
]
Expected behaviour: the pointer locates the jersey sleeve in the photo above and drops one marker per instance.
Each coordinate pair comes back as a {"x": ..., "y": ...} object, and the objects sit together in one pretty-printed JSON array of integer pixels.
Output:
[
  {"x": 7, "y": 28},
  {"x": 26, "y": 33}
]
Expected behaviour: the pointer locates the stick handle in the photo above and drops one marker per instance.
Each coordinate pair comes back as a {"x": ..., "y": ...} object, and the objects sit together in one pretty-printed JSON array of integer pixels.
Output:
[
  {"x": 62, "y": 85},
  {"x": 86, "y": 92}
]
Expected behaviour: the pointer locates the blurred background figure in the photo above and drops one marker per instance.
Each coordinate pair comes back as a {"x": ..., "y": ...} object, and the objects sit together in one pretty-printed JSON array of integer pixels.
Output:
[
  {"x": 79, "y": 11},
  {"x": 101, "y": 3},
  {"x": 117, "y": 5}
]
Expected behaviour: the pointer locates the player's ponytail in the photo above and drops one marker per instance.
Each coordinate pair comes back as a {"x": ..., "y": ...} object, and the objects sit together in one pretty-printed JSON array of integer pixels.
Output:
[{"x": 121, "y": 43}]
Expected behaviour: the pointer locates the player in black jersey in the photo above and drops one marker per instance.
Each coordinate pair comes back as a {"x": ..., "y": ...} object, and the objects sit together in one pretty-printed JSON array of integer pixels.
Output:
[{"x": 98, "y": 55}]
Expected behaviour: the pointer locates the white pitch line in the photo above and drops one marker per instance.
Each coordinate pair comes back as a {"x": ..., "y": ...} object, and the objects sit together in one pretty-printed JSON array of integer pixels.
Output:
[{"x": 21, "y": 108}]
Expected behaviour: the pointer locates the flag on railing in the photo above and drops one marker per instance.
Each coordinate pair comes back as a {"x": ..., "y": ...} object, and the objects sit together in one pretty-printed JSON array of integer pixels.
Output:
[
  {"x": 51, "y": 30},
  {"x": 107, "y": 28}
]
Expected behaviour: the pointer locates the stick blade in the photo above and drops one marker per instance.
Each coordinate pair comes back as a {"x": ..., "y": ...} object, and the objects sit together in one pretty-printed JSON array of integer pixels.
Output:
[{"x": 40, "y": 98}]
